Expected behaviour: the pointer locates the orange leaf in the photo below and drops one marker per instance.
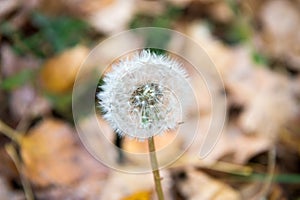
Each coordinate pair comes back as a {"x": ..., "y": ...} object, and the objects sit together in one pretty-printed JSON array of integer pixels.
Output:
[{"x": 141, "y": 195}]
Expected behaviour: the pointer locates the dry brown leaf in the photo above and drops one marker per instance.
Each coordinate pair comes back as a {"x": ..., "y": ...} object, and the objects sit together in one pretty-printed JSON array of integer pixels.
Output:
[
  {"x": 87, "y": 189},
  {"x": 47, "y": 154},
  {"x": 7, "y": 166},
  {"x": 151, "y": 8},
  {"x": 264, "y": 96},
  {"x": 58, "y": 73},
  {"x": 23, "y": 97},
  {"x": 261, "y": 92},
  {"x": 25, "y": 102},
  {"x": 90, "y": 6},
  {"x": 114, "y": 17},
  {"x": 8, "y": 193},
  {"x": 8, "y": 175},
  {"x": 296, "y": 87},
  {"x": 195, "y": 185},
  {"x": 121, "y": 185},
  {"x": 78, "y": 8},
  {"x": 12, "y": 64},
  {"x": 232, "y": 143},
  {"x": 219, "y": 53},
  {"x": 242, "y": 147},
  {"x": 181, "y": 3},
  {"x": 221, "y": 11},
  {"x": 7, "y": 6},
  {"x": 184, "y": 3},
  {"x": 52, "y": 157},
  {"x": 277, "y": 29},
  {"x": 106, "y": 16}
]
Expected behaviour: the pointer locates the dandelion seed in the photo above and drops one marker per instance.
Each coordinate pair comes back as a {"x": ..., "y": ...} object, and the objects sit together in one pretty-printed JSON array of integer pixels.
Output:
[{"x": 144, "y": 95}]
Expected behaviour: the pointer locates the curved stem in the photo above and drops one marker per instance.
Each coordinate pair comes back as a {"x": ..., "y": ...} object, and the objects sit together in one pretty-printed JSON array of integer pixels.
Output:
[
  {"x": 271, "y": 169},
  {"x": 12, "y": 152},
  {"x": 155, "y": 170},
  {"x": 9, "y": 132}
]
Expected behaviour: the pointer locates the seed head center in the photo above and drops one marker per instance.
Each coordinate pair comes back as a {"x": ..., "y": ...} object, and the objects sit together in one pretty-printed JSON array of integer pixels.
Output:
[
  {"x": 146, "y": 96},
  {"x": 145, "y": 102}
]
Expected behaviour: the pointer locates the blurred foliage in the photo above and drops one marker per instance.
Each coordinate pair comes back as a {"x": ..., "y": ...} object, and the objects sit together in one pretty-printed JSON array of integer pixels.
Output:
[
  {"x": 157, "y": 51},
  {"x": 157, "y": 39},
  {"x": 259, "y": 58},
  {"x": 164, "y": 20},
  {"x": 277, "y": 178},
  {"x": 44, "y": 36},
  {"x": 239, "y": 30},
  {"x": 17, "y": 80},
  {"x": 49, "y": 35},
  {"x": 233, "y": 4},
  {"x": 62, "y": 104}
]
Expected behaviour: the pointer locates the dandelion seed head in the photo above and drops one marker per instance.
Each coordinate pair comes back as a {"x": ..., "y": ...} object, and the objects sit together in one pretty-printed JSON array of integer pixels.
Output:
[{"x": 144, "y": 95}]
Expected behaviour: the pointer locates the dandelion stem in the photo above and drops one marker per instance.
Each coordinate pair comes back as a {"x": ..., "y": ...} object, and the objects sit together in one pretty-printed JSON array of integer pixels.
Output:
[
  {"x": 155, "y": 170},
  {"x": 9, "y": 132}
]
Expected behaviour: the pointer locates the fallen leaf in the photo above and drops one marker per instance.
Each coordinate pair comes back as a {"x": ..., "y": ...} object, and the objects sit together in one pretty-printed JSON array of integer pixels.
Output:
[
  {"x": 79, "y": 8},
  {"x": 276, "y": 29},
  {"x": 114, "y": 17},
  {"x": 241, "y": 146},
  {"x": 263, "y": 95},
  {"x": 221, "y": 11},
  {"x": 122, "y": 185},
  {"x": 7, "y": 6},
  {"x": 273, "y": 104},
  {"x": 58, "y": 73},
  {"x": 47, "y": 154},
  {"x": 52, "y": 156},
  {"x": 9, "y": 193},
  {"x": 195, "y": 185},
  {"x": 232, "y": 142},
  {"x": 7, "y": 166},
  {"x": 141, "y": 195},
  {"x": 13, "y": 64},
  {"x": 181, "y": 3},
  {"x": 24, "y": 101}
]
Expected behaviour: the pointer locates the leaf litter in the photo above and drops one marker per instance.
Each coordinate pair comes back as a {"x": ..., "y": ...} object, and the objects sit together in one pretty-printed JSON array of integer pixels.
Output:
[{"x": 251, "y": 44}]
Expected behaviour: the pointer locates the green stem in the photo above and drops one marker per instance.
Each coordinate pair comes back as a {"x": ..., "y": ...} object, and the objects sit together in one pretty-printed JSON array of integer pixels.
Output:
[{"x": 155, "y": 170}]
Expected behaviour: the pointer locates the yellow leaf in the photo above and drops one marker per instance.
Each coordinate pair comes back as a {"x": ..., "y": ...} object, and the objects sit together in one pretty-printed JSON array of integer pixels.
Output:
[
  {"x": 58, "y": 73},
  {"x": 141, "y": 195}
]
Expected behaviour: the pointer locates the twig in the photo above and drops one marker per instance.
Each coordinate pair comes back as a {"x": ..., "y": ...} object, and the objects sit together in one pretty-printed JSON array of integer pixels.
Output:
[
  {"x": 155, "y": 170},
  {"x": 220, "y": 166},
  {"x": 25, "y": 183},
  {"x": 262, "y": 194},
  {"x": 231, "y": 168},
  {"x": 9, "y": 132}
]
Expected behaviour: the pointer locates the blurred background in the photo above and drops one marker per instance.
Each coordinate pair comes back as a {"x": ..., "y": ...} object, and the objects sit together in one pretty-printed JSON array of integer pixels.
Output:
[{"x": 254, "y": 44}]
